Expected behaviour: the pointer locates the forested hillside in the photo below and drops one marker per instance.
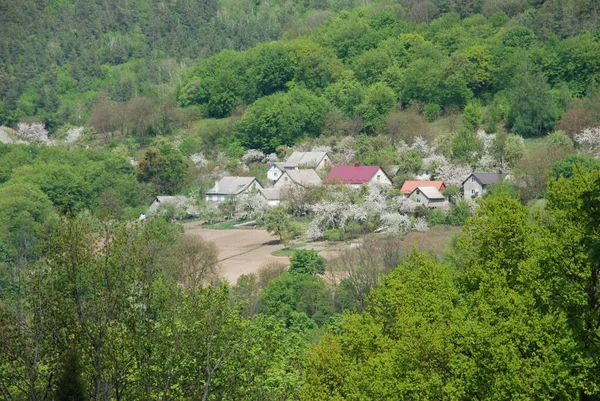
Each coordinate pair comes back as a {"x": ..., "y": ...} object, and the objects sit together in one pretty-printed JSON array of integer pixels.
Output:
[{"x": 107, "y": 105}]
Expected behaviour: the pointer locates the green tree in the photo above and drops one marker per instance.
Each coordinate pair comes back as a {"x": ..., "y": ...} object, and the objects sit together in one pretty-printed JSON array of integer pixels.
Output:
[
  {"x": 279, "y": 222},
  {"x": 165, "y": 168},
  {"x": 281, "y": 119},
  {"x": 377, "y": 103},
  {"x": 70, "y": 386},
  {"x": 307, "y": 261},
  {"x": 532, "y": 110}
]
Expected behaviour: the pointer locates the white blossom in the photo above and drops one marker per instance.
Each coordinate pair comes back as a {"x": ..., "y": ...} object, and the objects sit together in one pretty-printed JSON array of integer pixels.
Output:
[
  {"x": 253, "y": 156},
  {"x": 34, "y": 133},
  {"x": 404, "y": 204},
  {"x": 486, "y": 162},
  {"x": 434, "y": 161},
  {"x": 590, "y": 138},
  {"x": 322, "y": 148},
  {"x": 4, "y": 138},
  {"x": 199, "y": 160},
  {"x": 421, "y": 224},
  {"x": 453, "y": 174},
  {"x": 315, "y": 231},
  {"x": 421, "y": 145},
  {"x": 270, "y": 158},
  {"x": 486, "y": 139},
  {"x": 74, "y": 134},
  {"x": 396, "y": 223},
  {"x": 252, "y": 206}
]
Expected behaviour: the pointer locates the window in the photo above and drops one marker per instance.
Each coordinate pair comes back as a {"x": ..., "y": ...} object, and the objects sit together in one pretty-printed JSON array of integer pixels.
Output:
[
  {"x": 472, "y": 192},
  {"x": 472, "y": 178},
  {"x": 285, "y": 179},
  {"x": 418, "y": 200},
  {"x": 378, "y": 177}
]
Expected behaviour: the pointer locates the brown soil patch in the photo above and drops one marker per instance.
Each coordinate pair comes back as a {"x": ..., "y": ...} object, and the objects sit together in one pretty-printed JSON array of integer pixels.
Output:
[{"x": 241, "y": 251}]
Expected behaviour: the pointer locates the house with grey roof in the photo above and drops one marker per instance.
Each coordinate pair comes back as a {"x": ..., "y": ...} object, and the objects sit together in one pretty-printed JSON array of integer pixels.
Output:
[
  {"x": 275, "y": 170},
  {"x": 181, "y": 202},
  {"x": 271, "y": 195},
  {"x": 429, "y": 197},
  {"x": 232, "y": 187},
  {"x": 298, "y": 178},
  {"x": 477, "y": 183},
  {"x": 307, "y": 160}
]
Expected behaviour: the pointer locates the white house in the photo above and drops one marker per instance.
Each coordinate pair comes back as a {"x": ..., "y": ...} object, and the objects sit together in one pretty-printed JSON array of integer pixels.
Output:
[
  {"x": 232, "y": 186},
  {"x": 307, "y": 160},
  {"x": 477, "y": 183},
  {"x": 298, "y": 178},
  {"x": 429, "y": 197},
  {"x": 275, "y": 170}
]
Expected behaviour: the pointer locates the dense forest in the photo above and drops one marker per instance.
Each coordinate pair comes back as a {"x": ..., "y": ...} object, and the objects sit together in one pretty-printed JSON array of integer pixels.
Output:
[{"x": 105, "y": 104}]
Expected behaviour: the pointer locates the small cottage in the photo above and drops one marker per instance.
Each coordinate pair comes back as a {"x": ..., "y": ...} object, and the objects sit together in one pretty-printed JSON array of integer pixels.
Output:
[
  {"x": 271, "y": 195},
  {"x": 358, "y": 175},
  {"x": 477, "y": 183},
  {"x": 409, "y": 186},
  {"x": 232, "y": 187},
  {"x": 429, "y": 197},
  {"x": 298, "y": 178}
]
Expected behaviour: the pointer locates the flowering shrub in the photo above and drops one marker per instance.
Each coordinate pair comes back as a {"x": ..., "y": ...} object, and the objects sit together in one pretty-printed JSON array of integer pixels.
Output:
[
  {"x": 590, "y": 138},
  {"x": 34, "y": 133},
  {"x": 396, "y": 223},
  {"x": 453, "y": 174},
  {"x": 199, "y": 160},
  {"x": 253, "y": 156}
]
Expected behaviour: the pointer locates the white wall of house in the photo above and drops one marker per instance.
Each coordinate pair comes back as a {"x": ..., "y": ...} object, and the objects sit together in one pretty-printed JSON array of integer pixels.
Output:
[
  {"x": 273, "y": 173},
  {"x": 381, "y": 178},
  {"x": 215, "y": 198},
  {"x": 325, "y": 163},
  {"x": 284, "y": 181},
  {"x": 472, "y": 188}
]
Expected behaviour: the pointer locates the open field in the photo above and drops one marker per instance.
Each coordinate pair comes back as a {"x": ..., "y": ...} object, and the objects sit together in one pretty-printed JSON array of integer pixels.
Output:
[{"x": 241, "y": 251}]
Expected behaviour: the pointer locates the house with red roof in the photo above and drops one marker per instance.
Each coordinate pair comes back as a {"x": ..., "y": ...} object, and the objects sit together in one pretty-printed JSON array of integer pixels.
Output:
[
  {"x": 358, "y": 175},
  {"x": 409, "y": 186}
]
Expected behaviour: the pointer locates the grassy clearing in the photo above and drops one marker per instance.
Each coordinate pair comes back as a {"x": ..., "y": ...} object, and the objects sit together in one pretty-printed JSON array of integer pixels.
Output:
[
  {"x": 533, "y": 145},
  {"x": 225, "y": 225},
  {"x": 288, "y": 250}
]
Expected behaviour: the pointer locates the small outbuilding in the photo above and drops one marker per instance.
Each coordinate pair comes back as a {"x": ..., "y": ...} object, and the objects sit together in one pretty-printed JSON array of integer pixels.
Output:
[
  {"x": 232, "y": 187},
  {"x": 429, "y": 197}
]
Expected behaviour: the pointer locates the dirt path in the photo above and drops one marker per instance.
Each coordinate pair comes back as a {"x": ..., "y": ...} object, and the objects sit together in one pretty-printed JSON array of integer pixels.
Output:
[{"x": 241, "y": 251}]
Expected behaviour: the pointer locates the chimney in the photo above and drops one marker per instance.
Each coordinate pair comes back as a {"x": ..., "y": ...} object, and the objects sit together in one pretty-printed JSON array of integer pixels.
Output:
[
  {"x": 217, "y": 186},
  {"x": 356, "y": 164}
]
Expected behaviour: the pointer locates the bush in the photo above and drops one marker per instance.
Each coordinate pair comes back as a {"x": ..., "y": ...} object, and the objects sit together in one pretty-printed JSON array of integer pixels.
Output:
[
  {"x": 270, "y": 270},
  {"x": 333, "y": 235},
  {"x": 436, "y": 218},
  {"x": 307, "y": 261},
  {"x": 459, "y": 213}
]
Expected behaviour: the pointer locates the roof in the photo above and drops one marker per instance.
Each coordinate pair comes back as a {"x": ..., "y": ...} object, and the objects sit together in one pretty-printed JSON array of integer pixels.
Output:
[
  {"x": 305, "y": 178},
  {"x": 352, "y": 174},
  {"x": 487, "y": 178},
  {"x": 409, "y": 186},
  {"x": 279, "y": 165},
  {"x": 430, "y": 193},
  {"x": 270, "y": 193},
  {"x": 307, "y": 159},
  {"x": 231, "y": 185}
]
